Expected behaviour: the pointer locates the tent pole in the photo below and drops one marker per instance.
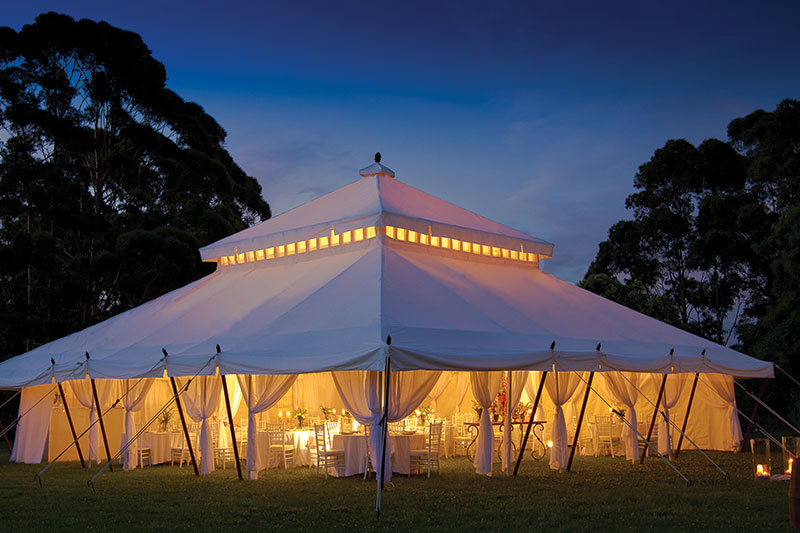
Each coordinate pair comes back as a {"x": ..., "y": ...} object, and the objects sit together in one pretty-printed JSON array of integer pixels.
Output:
[
  {"x": 102, "y": 424},
  {"x": 686, "y": 418},
  {"x": 530, "y": 422},
  {"x": 233, "y": 429},
  {"x": 655, "y": 415},
  {"x": 71, "y": 425},
  {"x": 753, "y": 415},
  {"x": 183, "y": 423},
  {"x": 580, "y": 420},
  {"x": 385, "y": 422},
  {"x": 508, "y": 454}
]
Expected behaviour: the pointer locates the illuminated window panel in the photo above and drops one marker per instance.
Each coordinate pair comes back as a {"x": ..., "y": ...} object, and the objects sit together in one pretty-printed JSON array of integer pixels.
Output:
[
  {"x": 290, "y": 248},
  {"x": 251, "y": 257},
  {"x": 347, "y": 237},
  {"x": 240, "y": 258},
  {"x": 486, "y": 250},
  {"x": 231, "y": 259},
  {"x": 495, "y": 252},
  {"x": 390, "y": 232},
  {"x": 223, "y": 260},
  {"x": 514, "y": 255},
  {"x": 476, "y": 248},
  {"x": 335, "y": 239},
  {"x": 455, "y": 244},
  {"x": 371, "y": 232},
  {"x": 323, "y": 243},
  {"x": 280, "y": 251},
  {"x": 312, "y": 245},
  {"x": 270, "y": 253},
  {"x": 423, "y": 238},
  {"x": 413, "y": 236},
  {"x": 301, "y": 247},
  {"x": 504, "y": 252},
  {"x": 401, "y": 234},
  {"x": 436, "y": 240},
  {"x": 358, "y": 235},
  {"x": 259, "y": 255}
]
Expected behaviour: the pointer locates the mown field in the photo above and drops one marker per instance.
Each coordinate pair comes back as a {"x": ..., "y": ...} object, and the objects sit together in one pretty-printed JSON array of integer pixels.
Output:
[{"x": 602, "y": 494}]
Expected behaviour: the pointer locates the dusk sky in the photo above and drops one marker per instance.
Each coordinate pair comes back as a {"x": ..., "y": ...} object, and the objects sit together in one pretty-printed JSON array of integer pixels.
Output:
[{"x": 533, "y": 114}]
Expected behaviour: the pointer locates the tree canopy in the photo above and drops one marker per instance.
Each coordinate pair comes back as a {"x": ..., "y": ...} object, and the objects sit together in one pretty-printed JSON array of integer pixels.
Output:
[{"x": 109, "y": 181}]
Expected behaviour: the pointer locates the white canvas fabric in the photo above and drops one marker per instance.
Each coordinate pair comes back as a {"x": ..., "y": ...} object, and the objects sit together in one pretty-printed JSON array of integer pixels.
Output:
[
  {"x": 625, "y": 392},
  {"x": 30, "y": 441},
  {"x": 360, "y": 393},
  {"x": 438, "y": 389},
  {"x": 259, "y": 394},
  {"x": 485, "y": 386},
  {"x": 82, "y": 389},
  {"x": 513, "y": 396},
  {"x": 133, "y": 393},
  {"x": 723, "y": 396},
  {"x": 560, "y": 386},
  {"x": 201, "y": 400},
  {"x": 673, "y": 388}
]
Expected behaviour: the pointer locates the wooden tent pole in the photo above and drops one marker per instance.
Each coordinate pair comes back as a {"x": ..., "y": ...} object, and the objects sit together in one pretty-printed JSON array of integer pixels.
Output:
[
  {"x": 71, "y": 425},
  {"x": 686, "y": 418},
  {"x": 183, "y": 423},
  {"x": 102, "y": 424},
  {"x": 655, "y": 415},
  {"x": 385, "y": 428},
  {"x": 530, "y": 423},
  {"x": 580, "y": 420},
  {"x": 233, "y": 429}
]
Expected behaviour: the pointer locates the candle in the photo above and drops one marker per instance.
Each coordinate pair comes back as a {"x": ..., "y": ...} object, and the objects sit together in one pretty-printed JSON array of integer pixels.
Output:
[
  {"x": 761, "y": 471},
  {"x": 789, "y": 467},
  {"x": 280, "y": 414}
]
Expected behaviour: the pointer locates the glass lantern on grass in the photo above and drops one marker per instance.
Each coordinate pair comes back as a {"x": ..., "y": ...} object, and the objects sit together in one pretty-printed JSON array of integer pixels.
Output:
[
  {"x": 759, "y": 448},
  {"x": 791, "y": 450}
]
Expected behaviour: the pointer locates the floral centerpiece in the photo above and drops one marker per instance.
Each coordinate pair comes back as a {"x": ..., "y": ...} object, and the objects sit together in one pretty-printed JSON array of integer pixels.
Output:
[
  {"x": 423, "y": 413},
  {"x": 477, "y": 408},
  {"x": 300, "y": 414},
  {"x": 328, "y": 412},
  {"x": 165, "y": 419},
  {"x": 498, "y": 406}
]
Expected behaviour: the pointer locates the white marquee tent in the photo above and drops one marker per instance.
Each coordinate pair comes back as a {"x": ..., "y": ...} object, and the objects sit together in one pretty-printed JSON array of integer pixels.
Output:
[{"x": 321, "y": 287}]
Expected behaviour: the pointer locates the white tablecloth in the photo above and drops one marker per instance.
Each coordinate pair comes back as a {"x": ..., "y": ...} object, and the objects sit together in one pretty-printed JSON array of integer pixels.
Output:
[
  {"x": 302, "y": 440},
  {"x": 354, "y": 447},
  {"x": 160, "y": 444}
]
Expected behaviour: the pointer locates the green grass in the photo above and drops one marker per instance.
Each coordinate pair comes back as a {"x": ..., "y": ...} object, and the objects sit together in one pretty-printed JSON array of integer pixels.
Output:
[{"x": 602, "y": 494}]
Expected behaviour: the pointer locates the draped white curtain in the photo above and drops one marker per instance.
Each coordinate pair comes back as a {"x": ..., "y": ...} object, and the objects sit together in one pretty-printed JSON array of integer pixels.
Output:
[
  {"x": 625, "y": 393},
  {"x": 30, "y": 442},
  {"x": 514, "y": 390},
  {"x": 201, "y": 400},
  {"x": 259, "y": 393},
  {"x": 360, "y": 392},
  {"x": 484, "y": 387},
  {"x": 82, "y": 389},
  {"x": 462, "y": 386},
  {"x": 235, "y": 395},
  {"x": 560, "y": 387},
  {"x": 531, "y": 386},
  {"x": 672, "y": 394},
  {"x": 134, "y": 392},
  {"x": 438, "y": 389},
  {"x": 724, "y": 397}
]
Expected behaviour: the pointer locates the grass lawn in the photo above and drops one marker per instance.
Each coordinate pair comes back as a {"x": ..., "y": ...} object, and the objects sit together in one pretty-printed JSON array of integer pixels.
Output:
[{"x": 602, "y": 494}]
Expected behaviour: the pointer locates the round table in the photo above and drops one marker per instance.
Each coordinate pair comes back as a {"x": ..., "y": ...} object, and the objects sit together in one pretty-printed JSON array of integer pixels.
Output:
[{"x": 160, "y": 444}]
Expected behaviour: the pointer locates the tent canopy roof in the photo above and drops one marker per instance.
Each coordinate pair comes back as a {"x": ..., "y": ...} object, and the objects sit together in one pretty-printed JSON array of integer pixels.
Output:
[{"x": 333, "y": 310}]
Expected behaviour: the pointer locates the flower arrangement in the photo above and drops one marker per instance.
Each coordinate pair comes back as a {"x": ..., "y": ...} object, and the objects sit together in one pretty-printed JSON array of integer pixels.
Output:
[
  {"x": 478, "y": 409},
  {"x": 423, "y": 413},
  {"x": 300, "y": 414},
  {"x": 328, "y": 412},
  {"x": 498, "y": 406},
  {"x": 165, "y": 419}
]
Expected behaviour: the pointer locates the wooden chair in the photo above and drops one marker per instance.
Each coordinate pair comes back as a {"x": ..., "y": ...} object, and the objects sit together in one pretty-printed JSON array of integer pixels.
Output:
[
  {"x": 276, "y": 437},
  {"x": 145, "y": 457},
  {"x": 431, "y": 455},
  {"x": 367, "y": 459},
  {"x": 326, "y": 457},
  {"x": 181, "y": 454}
]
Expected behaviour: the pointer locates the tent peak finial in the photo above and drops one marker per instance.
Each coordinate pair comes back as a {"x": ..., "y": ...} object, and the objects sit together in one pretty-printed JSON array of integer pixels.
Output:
[
  {"x": 377, "y": 157},
  {"x": 376, "y": 168}
]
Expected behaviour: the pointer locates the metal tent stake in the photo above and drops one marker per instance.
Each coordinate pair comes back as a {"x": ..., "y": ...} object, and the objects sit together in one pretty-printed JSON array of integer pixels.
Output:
[
  {"x": 530, "y": 422},
  {"x": 183, "y": 423},
  {"x": 580, "y": 420},
  {"x": 655, "y": 415},
  {"x": 686, "y": 418}
]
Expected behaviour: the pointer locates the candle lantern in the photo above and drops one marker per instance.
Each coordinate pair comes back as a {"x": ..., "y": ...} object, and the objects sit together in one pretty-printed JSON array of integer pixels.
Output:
[
  {"x": 791, "y": 450},
  {"x": 759, "y": 449}
]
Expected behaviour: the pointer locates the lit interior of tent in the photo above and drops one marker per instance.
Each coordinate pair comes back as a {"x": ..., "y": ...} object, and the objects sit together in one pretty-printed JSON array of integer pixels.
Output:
[{"x": 303, "y": 305}]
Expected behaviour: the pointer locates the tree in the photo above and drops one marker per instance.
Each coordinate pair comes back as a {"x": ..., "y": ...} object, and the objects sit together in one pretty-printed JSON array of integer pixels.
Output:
[{"x": 109, "y": 181}]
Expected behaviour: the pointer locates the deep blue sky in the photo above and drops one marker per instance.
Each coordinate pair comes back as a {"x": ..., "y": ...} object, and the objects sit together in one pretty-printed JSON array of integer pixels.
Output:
[{"x": 534, "y": 114}]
